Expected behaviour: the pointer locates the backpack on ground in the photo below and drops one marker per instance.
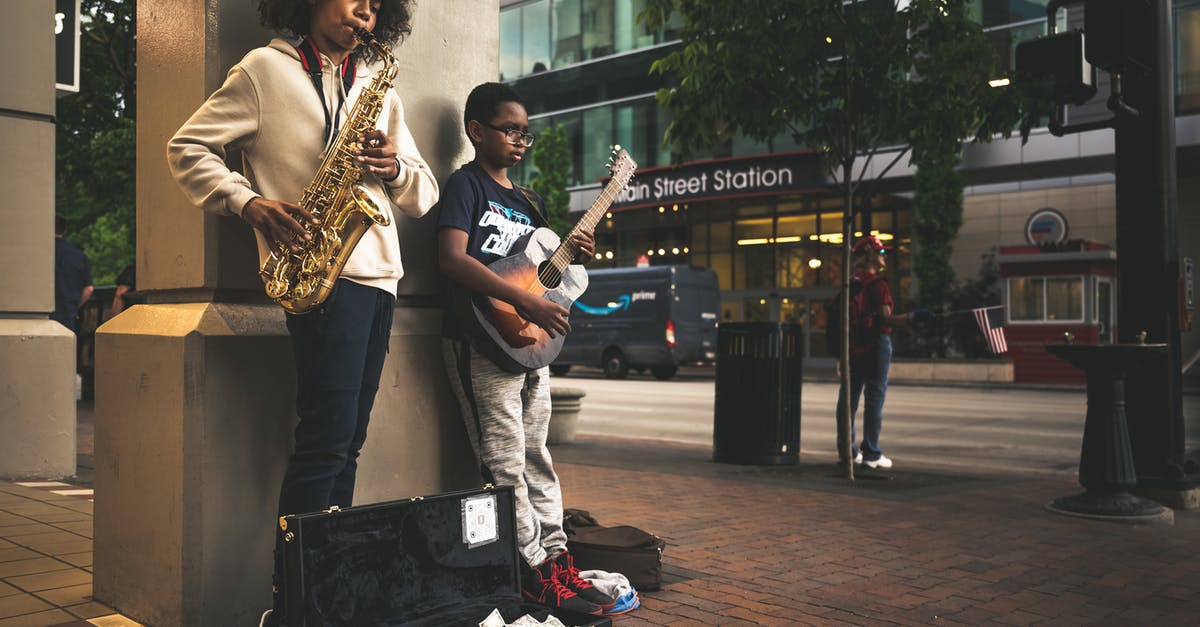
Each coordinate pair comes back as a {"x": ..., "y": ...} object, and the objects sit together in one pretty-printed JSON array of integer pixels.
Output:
[
  {"x": 621, "y": 549},
  {"x": 863, "y": 329}
]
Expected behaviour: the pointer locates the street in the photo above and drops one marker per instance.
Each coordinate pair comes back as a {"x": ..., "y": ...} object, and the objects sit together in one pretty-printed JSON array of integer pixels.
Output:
[{"x": 982, "y": 429}]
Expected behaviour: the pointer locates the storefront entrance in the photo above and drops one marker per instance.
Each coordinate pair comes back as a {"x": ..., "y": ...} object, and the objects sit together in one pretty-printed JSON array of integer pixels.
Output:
[{"x": 803, "y": 307}]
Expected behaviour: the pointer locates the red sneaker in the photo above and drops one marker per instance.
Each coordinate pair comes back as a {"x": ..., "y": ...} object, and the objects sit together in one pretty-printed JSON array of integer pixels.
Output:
[
  {"x": 569, "y": 576},
  {"x": 542, "y": 585}
]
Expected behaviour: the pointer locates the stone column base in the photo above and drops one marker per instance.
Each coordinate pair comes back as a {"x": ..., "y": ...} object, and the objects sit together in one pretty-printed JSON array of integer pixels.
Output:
[
  {"x": 37, "y": 399},
  {"x": 194, "y": 414}
]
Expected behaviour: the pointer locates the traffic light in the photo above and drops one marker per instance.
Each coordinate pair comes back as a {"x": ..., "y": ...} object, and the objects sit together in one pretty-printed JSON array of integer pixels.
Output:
[
  {"x": 1063, "y": 58},
  {"x": 1118, "y": 31}
]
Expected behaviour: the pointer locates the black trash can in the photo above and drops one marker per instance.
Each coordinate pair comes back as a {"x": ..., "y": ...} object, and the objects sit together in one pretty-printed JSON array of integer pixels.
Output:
[{"x": 756, "y": 419}]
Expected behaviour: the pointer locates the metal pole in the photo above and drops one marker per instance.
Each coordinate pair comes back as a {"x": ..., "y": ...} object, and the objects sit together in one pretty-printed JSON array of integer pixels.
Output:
[{"x": 1148, "y": 248}]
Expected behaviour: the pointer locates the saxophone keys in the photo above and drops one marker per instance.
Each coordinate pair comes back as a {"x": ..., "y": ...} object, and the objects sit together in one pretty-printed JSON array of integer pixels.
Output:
[{"x": 276, "y": 288}]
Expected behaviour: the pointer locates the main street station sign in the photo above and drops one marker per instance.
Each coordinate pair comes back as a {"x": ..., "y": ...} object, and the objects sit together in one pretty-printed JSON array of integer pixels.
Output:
[{"x": 740, "y": 177}]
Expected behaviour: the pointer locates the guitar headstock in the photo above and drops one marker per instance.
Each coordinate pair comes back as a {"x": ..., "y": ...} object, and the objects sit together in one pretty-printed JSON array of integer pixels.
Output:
[{"x": 621, "y": 166}]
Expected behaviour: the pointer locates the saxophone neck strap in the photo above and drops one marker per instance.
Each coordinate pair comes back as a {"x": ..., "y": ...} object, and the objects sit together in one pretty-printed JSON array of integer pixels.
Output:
[{"x": 310, "y": 58}]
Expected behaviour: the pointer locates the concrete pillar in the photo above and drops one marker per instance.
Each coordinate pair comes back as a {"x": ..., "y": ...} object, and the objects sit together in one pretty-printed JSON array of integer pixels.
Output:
[
  {"x": 195, "y": 390},
  {"x": 37, "y": 355}
]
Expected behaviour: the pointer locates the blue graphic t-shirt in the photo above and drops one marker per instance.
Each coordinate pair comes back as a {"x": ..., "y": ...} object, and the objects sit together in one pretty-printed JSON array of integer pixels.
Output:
[{"x": 493, "y": 217}]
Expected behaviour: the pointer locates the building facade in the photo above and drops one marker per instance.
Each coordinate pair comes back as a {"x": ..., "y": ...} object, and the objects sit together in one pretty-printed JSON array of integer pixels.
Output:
[{"x": 762, "y": 215}]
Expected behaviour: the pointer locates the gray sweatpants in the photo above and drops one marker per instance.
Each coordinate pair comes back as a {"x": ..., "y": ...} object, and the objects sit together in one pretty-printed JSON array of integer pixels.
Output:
[{"x": 507, "y": 416}]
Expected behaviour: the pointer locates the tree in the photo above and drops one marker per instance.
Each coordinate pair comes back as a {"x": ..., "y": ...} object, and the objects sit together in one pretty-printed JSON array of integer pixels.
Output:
[
  {"x": 553, "y": 162},
  {"x": 96, "y": 133},
  {"x": 842, "y": 77}
]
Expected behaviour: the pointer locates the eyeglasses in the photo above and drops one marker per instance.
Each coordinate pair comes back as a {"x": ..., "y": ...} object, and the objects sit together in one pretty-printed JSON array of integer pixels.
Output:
[{"x": 514, "y": 136}]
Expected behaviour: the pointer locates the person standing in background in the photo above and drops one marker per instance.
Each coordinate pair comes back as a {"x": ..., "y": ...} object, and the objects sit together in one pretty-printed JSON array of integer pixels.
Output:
[
  {"x": 126, "y": 285},
  {"x": 872, "y": 319},
  {"x": 72, "y": 277}
]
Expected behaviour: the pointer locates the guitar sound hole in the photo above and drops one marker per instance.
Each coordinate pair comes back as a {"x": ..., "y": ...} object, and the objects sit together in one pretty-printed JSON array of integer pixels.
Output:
[{"x": 548, "y": 275}]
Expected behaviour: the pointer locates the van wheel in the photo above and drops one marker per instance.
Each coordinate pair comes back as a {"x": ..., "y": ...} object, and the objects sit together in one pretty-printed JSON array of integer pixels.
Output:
[
  {"x": 615, "y": 366},
  {"x": 664, "y": 373},
  {"x": 560, "y": 370}
]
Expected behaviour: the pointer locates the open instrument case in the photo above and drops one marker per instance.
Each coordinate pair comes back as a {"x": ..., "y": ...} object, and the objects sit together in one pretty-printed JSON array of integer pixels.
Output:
[{"x": 448, "y": 559}]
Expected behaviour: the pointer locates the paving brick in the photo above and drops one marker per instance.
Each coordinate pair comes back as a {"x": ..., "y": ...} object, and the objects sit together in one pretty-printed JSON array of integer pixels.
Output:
[
  {"x": 63, "y": 596},
  {"x": 90, "y": 609},
  {"x": 38, "y": 619},
  {"x": 17, "y": 568},
  {"x": 21, "y": 604},
  {"x": 51, "y": 580}
]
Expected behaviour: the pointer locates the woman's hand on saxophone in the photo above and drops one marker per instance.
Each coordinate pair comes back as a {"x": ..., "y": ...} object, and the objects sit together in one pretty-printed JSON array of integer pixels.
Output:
[
  {"x": 378, "y": 156},
  {"x": 279, "y": 221}
]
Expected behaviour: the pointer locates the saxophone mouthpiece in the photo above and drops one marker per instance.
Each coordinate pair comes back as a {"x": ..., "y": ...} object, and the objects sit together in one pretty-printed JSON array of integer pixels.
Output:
[{"x": 363, "y": 35}]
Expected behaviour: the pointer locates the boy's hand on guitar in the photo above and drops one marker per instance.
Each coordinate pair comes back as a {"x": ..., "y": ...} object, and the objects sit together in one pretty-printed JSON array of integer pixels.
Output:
[
  {"x": 547, "y": 314},
  {"x": 584, "y": 242}
]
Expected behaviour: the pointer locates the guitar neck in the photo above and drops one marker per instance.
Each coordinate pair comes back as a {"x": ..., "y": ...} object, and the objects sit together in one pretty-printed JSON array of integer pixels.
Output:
[{"x": 565, "y": 253}]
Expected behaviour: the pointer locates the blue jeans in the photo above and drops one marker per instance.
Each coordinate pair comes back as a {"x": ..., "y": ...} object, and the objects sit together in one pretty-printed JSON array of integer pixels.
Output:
[
  {"x": 869, "y": 372},
  {"x": 339, "y": 349}
]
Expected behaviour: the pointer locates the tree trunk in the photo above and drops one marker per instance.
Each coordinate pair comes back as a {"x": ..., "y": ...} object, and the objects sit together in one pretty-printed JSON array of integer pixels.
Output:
[{"x": 843, "y": 420}]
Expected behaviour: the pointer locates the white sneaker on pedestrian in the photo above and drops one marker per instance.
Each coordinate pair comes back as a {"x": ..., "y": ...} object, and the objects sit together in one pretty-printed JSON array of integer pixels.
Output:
[
  {"x": 858, "y": 457},
  {"x": 882, "y": 462}
]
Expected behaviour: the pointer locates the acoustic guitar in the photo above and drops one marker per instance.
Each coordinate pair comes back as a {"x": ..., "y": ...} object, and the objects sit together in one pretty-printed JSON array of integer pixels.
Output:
[{"x": 540, "y": 263}]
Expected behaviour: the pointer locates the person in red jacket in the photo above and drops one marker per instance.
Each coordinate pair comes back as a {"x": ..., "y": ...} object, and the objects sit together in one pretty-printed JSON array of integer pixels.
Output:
[{"x": 871, "y": 347}]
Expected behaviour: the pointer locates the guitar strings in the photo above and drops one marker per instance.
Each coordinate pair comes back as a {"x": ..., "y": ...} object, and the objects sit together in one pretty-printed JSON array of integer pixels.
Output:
[{"x": 551, "y": 270}]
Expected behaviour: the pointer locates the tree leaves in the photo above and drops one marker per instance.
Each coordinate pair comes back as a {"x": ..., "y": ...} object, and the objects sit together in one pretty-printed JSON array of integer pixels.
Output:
[
  {"x": 552, "y": 158},
  {"x": 96, "y": 133}
]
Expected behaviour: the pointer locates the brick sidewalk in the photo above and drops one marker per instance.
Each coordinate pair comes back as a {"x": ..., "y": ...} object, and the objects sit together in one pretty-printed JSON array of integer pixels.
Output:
[
  {"x": 769, "y": 546},
  {"x": 789, "y": 546}
]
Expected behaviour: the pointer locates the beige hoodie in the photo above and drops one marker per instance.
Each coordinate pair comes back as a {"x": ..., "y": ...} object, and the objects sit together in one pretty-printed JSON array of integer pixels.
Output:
[{"x": 269, "y": 109}]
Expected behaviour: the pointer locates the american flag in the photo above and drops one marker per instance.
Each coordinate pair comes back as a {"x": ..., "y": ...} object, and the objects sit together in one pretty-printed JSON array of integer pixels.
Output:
[{"x": 991, "y": 323}]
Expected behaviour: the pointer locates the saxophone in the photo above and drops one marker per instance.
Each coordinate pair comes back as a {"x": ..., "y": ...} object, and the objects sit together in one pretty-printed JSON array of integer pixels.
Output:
[{"x": 302, "y": 280}]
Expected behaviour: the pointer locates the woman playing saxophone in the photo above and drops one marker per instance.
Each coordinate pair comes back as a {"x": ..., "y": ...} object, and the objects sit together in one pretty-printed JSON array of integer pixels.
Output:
[{"x": 284, "y": 107}]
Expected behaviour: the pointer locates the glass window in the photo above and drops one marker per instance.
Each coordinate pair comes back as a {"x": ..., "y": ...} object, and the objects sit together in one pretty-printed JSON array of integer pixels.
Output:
[
  {"x": 756, "y": 310},
  {"x": 796, "y": 226},
  {"x": 730, "y": 311},
  {"x": 662, "y": 153},
  {"x": 798, "y": 265},
  {"x": 753, "y": 232},
  {"x": 630, "y": 33},
  {"x": 636, "y": 127},
  {"x": 831, "y": 226},
  {"x": 597, "y": 28},
  {"x": 535, "y": 37},
  {"x": 510, "y": 44},
  {"x": 792, "y": 311},
  {"x": 753, "y": 267},
  {"x": 699, "y": 241},
  {"x": 719, "y": 234},
  {"x": 742, "y": 146},
  {"x": 816, "y": 331},
  {"x": 1026, "y": 299},
  {"x": 999, "y": 12},
  {"x": 722, "y": 264},
  {"x": 597, "y": 140},
  {"x": 568, "y": 39},
  {"x": 1064, "y": 299}
]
